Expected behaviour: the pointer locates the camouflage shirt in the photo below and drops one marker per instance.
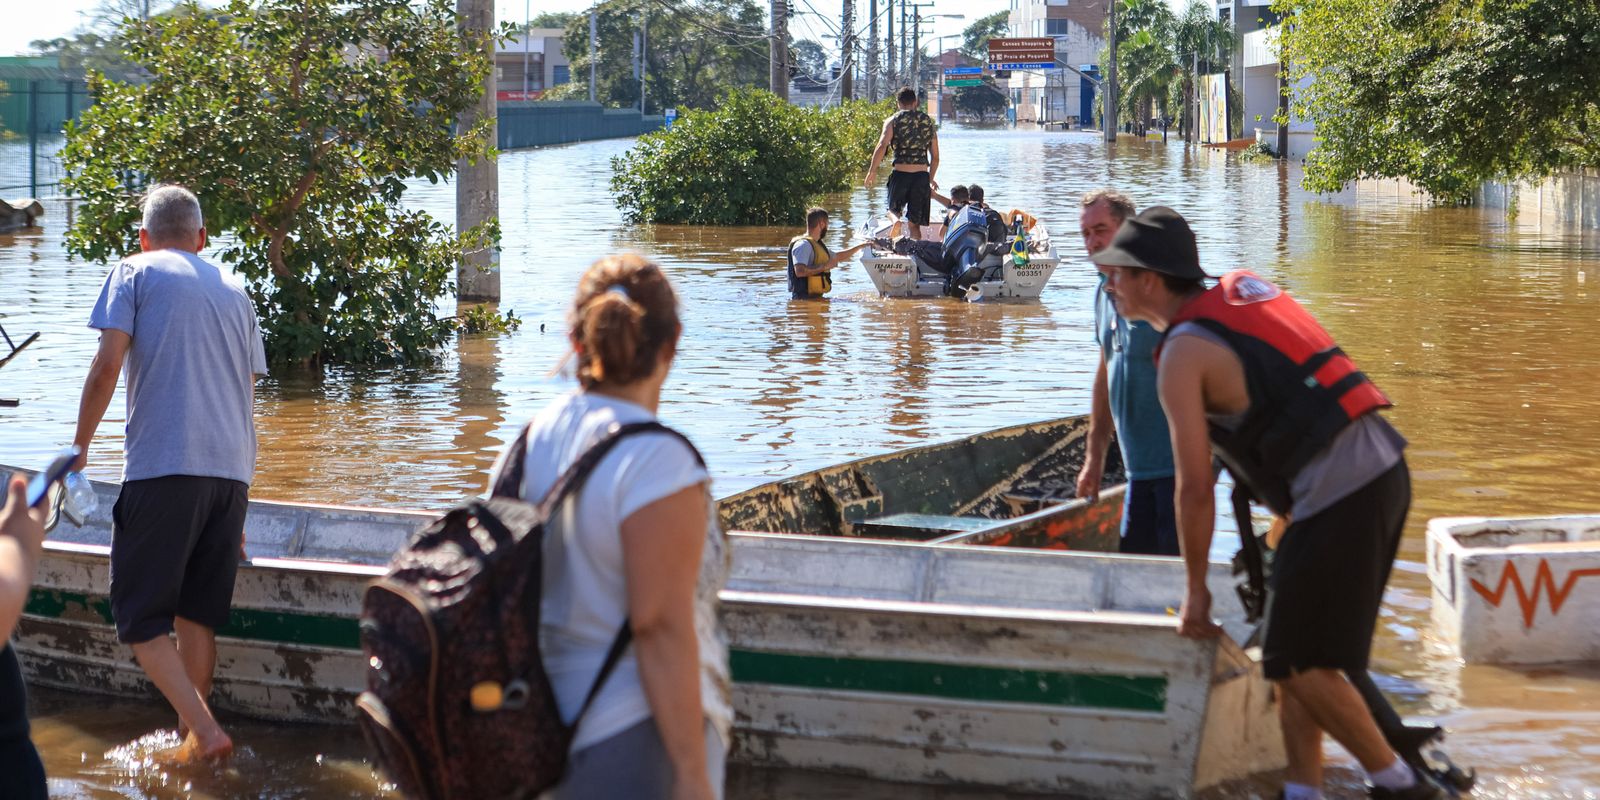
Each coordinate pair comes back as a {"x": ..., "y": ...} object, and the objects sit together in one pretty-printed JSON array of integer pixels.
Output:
[{"x": 913, "y": 136}]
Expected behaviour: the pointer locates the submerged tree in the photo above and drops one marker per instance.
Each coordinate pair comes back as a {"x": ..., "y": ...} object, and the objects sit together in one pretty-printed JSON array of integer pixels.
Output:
[
  {"x": 298, "y": 123},
  {"x": 693, "y": 52},
  {"x": 1445, "y": 93}
]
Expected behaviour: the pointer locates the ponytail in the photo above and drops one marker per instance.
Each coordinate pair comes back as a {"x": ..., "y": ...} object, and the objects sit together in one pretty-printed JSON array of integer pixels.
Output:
[{"x": 624, "y": 313}]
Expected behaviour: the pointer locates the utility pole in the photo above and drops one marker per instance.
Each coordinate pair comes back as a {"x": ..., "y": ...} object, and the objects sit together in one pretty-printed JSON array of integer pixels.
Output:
[
  {"x": 872, "y": 54},
  {"x": 916, "y": 49},
  {"x": 1109, "y": 116},
  {"x": 778, "y": 49},
  {"x": 527, "y": 10},
  {"x": 847, "y": 43},
  {"x": 644, "y": 55},
  {"x": 892, "y": 62},
  {"x": 478, "y": 183},
  {"x": 905, "y": 55},
  {"x": 594, "y": 45}
]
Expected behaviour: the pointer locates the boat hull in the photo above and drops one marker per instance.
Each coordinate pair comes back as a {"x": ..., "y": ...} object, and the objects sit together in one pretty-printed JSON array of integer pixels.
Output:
[{"x": 1035, "y": 671}]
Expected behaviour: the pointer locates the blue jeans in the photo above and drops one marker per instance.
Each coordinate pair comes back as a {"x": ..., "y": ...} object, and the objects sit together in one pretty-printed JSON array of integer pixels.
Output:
[{"x": 1149, "y": 519}]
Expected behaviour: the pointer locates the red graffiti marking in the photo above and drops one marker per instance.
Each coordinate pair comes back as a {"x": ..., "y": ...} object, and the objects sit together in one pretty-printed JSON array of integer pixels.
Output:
[{"x": 1543, "y": 580}]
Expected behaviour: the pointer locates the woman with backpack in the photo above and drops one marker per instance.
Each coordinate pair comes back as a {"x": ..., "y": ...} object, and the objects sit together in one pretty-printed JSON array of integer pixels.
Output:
[{"x": 637, "y": 545}]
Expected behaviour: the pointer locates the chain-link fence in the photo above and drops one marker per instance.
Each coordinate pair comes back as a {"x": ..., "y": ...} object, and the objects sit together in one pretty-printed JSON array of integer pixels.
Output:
[{"x": 33, "y": 114}]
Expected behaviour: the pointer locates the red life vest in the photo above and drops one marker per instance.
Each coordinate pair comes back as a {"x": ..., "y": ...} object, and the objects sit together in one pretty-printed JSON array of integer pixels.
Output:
[{"x": 1303, "y": 389}]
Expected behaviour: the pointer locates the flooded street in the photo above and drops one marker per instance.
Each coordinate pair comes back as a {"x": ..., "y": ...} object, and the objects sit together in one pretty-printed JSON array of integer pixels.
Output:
[{"x": 1478, "y": 327}]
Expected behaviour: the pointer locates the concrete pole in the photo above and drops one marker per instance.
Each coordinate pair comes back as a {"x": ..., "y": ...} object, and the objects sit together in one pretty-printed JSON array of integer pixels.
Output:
[
  {"x": 644, "y": 55},
  {"x": 1110, "y": 112},
  {"x": 594, "y": 45},
  {"x": 478, "y": 184},
  {"x": 1283, "y": 109},
  {"x": 892, "y": 63},
  {"x": 872, "y": 54},
  {"x": 527, "y": 10},
  {"x": 847, "y": 61},
  {"x": 916, "y": 49},
  {"x": 778, "y": 49}
]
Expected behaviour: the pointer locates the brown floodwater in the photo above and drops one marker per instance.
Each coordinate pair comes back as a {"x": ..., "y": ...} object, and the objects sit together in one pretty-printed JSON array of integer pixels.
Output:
[{"x": 1479, "y": 327}]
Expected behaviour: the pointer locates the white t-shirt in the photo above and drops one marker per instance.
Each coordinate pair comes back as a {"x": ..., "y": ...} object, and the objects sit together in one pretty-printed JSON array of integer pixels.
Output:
[{"x": 585, "y": 589}]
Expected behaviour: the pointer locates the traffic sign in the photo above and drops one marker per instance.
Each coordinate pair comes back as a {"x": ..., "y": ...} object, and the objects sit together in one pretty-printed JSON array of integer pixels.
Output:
[
  {"x": 963, "y": 82},
  {"x": 964, "y": 71},
  {"x": 1046, "y": 65},
  {"x": 1034, "y": 50}
]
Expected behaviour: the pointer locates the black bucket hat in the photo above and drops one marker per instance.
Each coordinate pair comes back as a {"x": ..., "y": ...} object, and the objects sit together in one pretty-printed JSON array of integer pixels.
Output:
[{"x": 1159, "y": 240}]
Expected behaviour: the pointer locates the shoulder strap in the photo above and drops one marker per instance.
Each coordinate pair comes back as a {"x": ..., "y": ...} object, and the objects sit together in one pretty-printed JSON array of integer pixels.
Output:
[
  {"x": 570, "y": 482},
  {"x": 509, "y": 484}
]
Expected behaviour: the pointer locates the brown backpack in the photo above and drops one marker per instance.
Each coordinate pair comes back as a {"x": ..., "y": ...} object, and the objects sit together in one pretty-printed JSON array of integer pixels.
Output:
[{"x": 458, "y": 704}]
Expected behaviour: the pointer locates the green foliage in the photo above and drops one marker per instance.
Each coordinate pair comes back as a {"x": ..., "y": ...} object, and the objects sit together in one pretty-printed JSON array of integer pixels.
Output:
[
  {"x": 981, "y": 101},
  {"x": 808, "y": 58},
  {"x": 975, "y": 39},
  {"x": 694, "y": 52},
  {"x": 298, "y": 123},
  {"x": 754, "y": 159},
  {"x": 1258, "y": 152},
  {"x": 1157, "y": 53},
  {"x": 556, "y": 19},
  {"x": 1445, "y": 93},
  {"x": 484, "y": 319}
]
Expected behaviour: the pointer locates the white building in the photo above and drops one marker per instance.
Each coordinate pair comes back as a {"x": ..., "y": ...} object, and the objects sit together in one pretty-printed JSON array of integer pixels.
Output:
[
  {"x": 1060, "y": 94},
  {"x": 1255, "y": 74},
  {"x": 528, "y": 65}
]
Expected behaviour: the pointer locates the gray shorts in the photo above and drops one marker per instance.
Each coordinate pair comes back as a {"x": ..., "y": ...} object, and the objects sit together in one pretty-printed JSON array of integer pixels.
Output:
[
  {"x": 633, "y": 765},
  {"x": 174, "y": 553}
]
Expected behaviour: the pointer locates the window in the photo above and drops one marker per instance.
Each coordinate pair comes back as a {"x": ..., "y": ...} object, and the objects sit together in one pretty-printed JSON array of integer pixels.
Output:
[
  {"x": 1055, "y": 27},
  {"x": 563, "y": 74}
]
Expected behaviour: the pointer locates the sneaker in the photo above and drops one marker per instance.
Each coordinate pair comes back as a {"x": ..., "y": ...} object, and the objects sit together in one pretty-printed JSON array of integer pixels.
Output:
[{"x": 1426, "y": 788}]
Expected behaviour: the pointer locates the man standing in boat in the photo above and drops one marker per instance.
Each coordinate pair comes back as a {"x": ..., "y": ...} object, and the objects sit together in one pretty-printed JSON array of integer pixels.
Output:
[
  {"x": 1246, "y": 371},
  {"x": 810, "y": 263},
  {"x": 1124, "y": 397},
  {"x": 188, "y": 334},
  {"x": 915, "y": 138}
]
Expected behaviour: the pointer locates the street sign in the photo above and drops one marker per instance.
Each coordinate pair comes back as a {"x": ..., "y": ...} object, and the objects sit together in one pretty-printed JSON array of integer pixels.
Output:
[
  {"x": 964, "y": 71},
  {"x": 1048, "y": 65},
  {"x": 1034, "y": 50},
  {"x": 963, "y": 82},
  {"x": 672, "y": 115}
]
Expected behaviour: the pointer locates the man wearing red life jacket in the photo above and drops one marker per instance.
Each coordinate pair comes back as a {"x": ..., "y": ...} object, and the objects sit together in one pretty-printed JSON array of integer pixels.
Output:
[{"x": 1246, "y": 372}]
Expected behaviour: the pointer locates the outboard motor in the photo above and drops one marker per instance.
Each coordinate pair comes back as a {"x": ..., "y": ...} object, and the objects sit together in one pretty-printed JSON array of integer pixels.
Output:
[{"x": 964, "y": 249}]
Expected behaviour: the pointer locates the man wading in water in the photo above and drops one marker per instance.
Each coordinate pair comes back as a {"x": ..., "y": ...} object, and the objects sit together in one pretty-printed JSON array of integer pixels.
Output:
[
  {"x": 916, "y": 158},
  {"x": 1245, "y": 370}
]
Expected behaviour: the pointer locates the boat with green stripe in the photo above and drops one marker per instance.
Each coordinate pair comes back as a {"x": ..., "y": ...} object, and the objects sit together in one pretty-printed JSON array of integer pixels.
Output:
[{"x": 1032, "y": 670}]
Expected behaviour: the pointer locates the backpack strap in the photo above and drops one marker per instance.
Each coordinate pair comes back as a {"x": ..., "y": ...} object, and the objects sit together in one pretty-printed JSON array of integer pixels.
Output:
[
  {"x": 570, "y": 482},
  {"x": 509, "y": 484}
]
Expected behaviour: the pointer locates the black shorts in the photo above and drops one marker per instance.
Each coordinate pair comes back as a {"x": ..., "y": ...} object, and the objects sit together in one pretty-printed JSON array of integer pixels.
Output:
[
  {"x": 911, "y": 191},
  {"x": 174, "y": 552},
  {"x": 1328, "y": 576}
]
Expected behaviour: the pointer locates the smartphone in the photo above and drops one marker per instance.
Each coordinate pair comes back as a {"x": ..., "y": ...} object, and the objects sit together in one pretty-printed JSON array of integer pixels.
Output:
[{"x": 39, "y": 487}]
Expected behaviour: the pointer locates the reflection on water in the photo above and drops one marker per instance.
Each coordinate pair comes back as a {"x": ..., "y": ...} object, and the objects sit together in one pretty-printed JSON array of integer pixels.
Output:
[{"x": 1477, "y": 327}]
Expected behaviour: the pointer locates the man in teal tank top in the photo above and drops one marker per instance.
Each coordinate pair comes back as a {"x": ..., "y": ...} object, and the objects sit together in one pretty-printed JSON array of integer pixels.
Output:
[
  {"x": 915, "y": 137},
  {"x": 1125, "y": 395}
]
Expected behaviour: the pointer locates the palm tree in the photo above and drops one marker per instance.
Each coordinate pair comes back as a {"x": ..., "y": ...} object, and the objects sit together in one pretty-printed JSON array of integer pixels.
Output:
[
  {"x": 1146, "y": 66},
  {"x": 1201, "y": 41}
]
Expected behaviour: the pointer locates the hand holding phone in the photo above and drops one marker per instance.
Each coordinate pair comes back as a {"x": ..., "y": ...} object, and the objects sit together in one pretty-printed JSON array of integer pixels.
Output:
[{"x": 39, "y": 487}]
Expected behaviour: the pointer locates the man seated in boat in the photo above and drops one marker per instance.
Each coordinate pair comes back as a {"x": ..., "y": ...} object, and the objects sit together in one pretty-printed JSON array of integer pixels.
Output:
[
  {"x": 810, "y": 263},
  {"x": 1247, "y": 373},
  {"x": 915, "y": 138},
  {"x": 1123, "y": 397},
  {"x": 21, "y": 541},
  {"x": 998, "y": 230},
  {"x": 958, "y": 198}
]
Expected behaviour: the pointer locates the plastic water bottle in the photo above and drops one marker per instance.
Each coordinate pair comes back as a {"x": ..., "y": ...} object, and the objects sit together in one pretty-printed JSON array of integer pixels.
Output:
[{"x": 81, "y": 500}]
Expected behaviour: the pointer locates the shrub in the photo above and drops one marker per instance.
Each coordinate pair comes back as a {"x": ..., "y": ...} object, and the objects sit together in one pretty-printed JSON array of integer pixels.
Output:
[{"x": 753, "y": 160}]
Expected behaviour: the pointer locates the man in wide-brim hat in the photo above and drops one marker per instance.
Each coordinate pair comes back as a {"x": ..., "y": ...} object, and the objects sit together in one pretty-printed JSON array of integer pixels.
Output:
[{"x": 1246, "y": 372}]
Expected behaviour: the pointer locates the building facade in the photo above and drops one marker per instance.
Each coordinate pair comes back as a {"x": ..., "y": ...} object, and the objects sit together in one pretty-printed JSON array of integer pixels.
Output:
[
  {"x": 1058, "y": 95},
  {"x": 1255, "y": 74},
  {"x": 530, "y": 64}
]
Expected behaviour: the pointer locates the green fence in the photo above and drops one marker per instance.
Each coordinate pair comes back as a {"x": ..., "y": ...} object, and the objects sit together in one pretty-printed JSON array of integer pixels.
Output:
[{"x": 534, "y": 124}]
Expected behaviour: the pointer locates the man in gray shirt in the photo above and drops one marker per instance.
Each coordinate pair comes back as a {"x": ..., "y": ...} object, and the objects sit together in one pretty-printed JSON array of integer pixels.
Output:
[{"x": 188, "y": 335}]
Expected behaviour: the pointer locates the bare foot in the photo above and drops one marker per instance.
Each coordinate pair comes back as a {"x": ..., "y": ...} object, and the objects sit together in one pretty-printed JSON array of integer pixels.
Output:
[{"x": 193, "y": 750}]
